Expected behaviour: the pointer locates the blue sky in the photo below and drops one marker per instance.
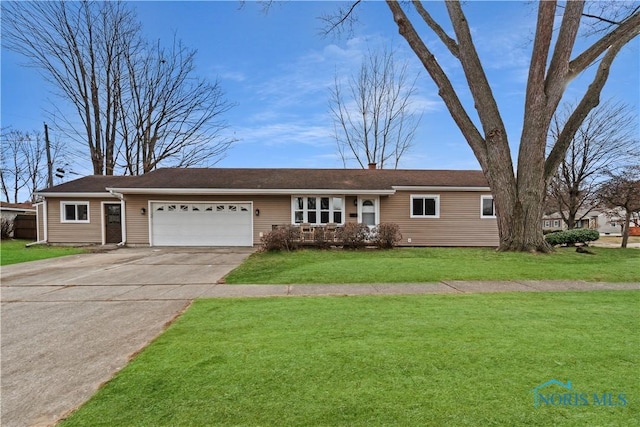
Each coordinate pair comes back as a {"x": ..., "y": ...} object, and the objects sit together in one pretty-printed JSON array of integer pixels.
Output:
[{"x": 278, "y": 70}]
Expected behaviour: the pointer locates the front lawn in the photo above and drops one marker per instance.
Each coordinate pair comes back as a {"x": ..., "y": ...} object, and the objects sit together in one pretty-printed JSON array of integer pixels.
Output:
[
  {"x": 15, "y": 251},
  {"x": 438, "y": 360},
  {"x": 414, "y": 265}
]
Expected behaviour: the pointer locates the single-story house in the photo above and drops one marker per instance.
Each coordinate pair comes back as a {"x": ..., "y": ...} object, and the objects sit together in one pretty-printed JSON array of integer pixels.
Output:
[
  {"x": 18, "y": 220},
  {"x": 607, "y": 223},
  {"x": 10, "y": 210},
  {"x": 236, "y": 207}
]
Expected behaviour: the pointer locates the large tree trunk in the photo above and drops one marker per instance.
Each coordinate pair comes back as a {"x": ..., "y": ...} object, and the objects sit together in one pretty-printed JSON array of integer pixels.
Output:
[
  {"x": 625, "y": 230},
  {"x": 519, "y": 213},
  {"x": 519, "y": 199}
]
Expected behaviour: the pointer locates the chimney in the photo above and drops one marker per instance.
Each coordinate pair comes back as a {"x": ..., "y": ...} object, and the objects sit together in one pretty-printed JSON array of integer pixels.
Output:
[{"x": 372, "y": 165}]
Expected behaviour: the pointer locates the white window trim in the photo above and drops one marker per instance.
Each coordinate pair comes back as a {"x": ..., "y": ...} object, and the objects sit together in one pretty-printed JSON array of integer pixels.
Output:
[
  {"x": 331, "y": 210},
  {"x": 376, "y": 205},
  {"x": 482, "y": 215},
  {"x": 76, "y": 203},
  {"x": 436, "y": 197}
]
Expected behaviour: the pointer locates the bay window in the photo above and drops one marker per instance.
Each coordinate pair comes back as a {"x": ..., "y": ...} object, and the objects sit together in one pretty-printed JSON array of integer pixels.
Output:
[{"x": 317, "y": 209}]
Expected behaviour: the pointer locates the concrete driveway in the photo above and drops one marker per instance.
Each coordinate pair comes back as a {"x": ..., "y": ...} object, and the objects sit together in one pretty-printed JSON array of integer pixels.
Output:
[{"x": 69, "y": 324}]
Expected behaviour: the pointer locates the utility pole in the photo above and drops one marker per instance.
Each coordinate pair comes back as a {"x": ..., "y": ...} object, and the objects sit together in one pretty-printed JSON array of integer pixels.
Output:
[{"x": 49, "y": 162}]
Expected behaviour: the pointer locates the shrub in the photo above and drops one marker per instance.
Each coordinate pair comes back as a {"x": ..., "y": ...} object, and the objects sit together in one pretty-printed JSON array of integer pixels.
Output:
[
  {"x": 282, "y": 238},
  {"x": 6, "y": 228},
  {"x": 571, "y": 237},
  {"x": 387, "y": 235},
  {"x": 323, "y": 238},
  {"x": 352, "y": 235}
]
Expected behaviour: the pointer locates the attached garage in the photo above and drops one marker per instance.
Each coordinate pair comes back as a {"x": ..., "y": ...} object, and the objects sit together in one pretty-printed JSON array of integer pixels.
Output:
[{"x": 201, "y": 224}]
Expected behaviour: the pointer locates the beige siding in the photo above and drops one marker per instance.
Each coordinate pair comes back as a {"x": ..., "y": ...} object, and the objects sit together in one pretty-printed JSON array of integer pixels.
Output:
[
  {"x": 274, "y": 210},
  {"x": 68, "y": 232},
  {"x": 137, "y": 225},
  {"x": 459, "y": 223},
  {"x": 351, "y": 208}
]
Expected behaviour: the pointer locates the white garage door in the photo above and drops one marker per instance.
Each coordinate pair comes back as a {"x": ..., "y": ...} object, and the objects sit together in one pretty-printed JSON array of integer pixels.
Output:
[{"x": 201, "y": 224}]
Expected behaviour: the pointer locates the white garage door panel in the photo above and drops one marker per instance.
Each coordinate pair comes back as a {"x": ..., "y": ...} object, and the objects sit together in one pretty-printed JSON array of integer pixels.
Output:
[{"x": 202, "y": 224}]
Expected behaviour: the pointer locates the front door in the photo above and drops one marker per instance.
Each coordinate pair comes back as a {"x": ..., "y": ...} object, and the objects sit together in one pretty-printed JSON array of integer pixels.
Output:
[
  {"x": 368, "y": 212},
  {"x": 113, "y": 223}
]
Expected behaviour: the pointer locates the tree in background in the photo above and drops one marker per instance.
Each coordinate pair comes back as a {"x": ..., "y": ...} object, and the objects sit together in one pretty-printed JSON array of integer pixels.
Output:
[
  {"x": 23, "y": 164},
  {"x": 93, "y": 54},
  {"x": 373, "y": 117},
  {"x": 77, "y": 47},
  {"x": 167, "y": 113},
  {"x": 519, "y": 196},
  {"x": 605, "y": 142},
  {"x": 622, "y": 191}
]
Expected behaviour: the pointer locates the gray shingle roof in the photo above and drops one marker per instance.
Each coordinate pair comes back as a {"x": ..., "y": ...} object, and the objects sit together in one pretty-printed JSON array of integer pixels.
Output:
[
  {"x": 90, "y": 184},
  {"x": 271, "y": 179}
]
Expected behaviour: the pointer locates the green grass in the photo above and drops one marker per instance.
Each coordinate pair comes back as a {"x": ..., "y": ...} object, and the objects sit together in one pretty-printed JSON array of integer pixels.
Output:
[
  {"x": 439, "y": 360},
  {"x": 15, "y": 251},
  {"x": 414, "y": 265}
]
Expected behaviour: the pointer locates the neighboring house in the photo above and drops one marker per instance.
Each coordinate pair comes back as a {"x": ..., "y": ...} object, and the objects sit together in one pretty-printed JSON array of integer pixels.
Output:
[
  {"x": 236, "y": 207},
  {"x": 10, "y": 210},
  {"x": 607, "y": 224},
  {"x": 20, "y": 219}
]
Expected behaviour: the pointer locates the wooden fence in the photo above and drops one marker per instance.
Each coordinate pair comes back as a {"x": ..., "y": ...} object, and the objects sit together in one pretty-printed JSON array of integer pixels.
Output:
[{"x": 24, "y": 227}]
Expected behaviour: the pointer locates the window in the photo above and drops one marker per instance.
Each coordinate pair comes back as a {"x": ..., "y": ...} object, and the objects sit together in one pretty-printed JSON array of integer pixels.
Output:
[
  {"x": 317, "y": 209},
  {"x": 337, "y": 210},
  {"x": 547, "y": 223},
  {"x": 425, "y": 206},
  {"x": 369, "y": 213},
  {"x": 488, "y": 208},
  {"x": 74, "y": 211},
  {"x": 556, "y": 223}
]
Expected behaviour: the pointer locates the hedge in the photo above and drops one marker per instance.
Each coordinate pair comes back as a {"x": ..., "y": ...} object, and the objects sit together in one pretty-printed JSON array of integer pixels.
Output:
[{"x": 571, "y": 237}]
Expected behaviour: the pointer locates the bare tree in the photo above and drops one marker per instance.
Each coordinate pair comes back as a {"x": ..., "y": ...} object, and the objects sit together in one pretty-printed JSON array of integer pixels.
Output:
[
  {"x": 606, "y": 140},
  {"x": 622, "y": 190},
  {"x": 23, "y": 165},
  {"x": 373, "y": 118},
  {"x": 132, "y": 106},
  {"x": 167, "y": 114},
  {"x": 518, "y": 196},
  {"x": 77, "y": 46}
]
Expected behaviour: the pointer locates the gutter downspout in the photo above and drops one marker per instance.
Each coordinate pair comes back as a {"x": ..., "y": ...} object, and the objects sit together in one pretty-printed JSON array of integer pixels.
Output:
[
  {"x": 122, "y": 216},
  {"x": 45, "y": 222}
]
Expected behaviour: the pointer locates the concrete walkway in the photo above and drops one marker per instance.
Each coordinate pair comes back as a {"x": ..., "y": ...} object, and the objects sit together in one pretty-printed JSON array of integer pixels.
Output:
[
  {"x": 187, "y": 292},
  {"x": 69, "y": 324}
]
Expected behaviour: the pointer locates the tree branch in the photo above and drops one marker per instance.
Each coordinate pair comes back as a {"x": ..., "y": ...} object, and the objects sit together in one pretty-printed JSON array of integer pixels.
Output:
[
  {"x": 627, "y": 30},
  {"x": 448, "y": 41},
  {"x": 589, "y": 101},
  {"x": 446, "y": 90}
]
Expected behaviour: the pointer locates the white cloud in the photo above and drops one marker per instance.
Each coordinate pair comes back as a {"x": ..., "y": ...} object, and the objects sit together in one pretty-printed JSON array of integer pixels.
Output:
[
  {"x": 286, "y": 133},
  {"x": 224, "y": 73}
]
